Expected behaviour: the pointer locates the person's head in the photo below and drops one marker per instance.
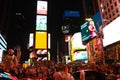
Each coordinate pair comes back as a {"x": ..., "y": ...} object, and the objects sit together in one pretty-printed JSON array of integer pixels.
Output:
[
  {"x": 11, "y": 51},
  {"x": 91, "y": 22},
  {"x": 65, "y": 68}
]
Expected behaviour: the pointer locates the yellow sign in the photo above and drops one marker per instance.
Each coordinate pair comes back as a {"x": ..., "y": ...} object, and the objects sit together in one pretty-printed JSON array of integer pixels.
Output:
[{"x": 40, "y": 40}]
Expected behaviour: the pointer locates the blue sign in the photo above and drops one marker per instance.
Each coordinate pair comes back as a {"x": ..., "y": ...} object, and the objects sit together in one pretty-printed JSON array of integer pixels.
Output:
[
  {"x": 97, "y": 20},
  {"x": 68, "y": 13}
]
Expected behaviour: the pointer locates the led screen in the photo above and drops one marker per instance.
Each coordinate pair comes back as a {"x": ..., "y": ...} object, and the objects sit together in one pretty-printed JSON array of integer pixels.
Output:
[
  {"x": 40, "y": 40},
  {"x": 41, "y": 22},
  {"x": 88, "y": 31},
  {"x": 80, "y": 55},
  {"x": 77, "y": 42},
  {"x": 41, "y": 7},
  {"x": 90, "y": 28},
  {"x": 111, "y": 32}
]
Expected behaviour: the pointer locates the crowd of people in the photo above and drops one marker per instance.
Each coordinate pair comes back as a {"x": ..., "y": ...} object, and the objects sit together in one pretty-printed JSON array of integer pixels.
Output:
[{"x": 50, "y": 70}]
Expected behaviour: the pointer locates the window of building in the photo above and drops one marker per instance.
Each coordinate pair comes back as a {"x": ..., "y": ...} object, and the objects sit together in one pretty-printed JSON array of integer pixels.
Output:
[
  {"x": 111, "y": 7},
  {"x": 115, "y": 3},
  {"x": 119, "y": 1},
  {"x": 110, "y": 1}
]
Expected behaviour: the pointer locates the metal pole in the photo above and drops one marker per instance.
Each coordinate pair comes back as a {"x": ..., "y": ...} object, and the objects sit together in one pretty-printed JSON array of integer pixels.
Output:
[{"x": 57, "y": 51}]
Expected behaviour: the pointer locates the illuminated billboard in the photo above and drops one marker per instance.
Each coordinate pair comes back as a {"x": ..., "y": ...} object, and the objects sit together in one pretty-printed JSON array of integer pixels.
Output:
[
  {"x": 40, "y": 40},
  {"x": 90, "y": 28},
  {"x": 88, "y": 31},
  {"x": 80, "y": 55},
  {"x": 31, "y": 39},
  {"x": 42, "y": 7},
  {"x": 41, "y": 22},
  {"x": 77, "y": 42},
  {"x": 111, "y": 32}
]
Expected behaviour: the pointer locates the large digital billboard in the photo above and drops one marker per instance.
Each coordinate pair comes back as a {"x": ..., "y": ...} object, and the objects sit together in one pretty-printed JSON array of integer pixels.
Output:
[
  {"x": 90, "y": 28},
  {"x": 40, "y": 40},
  {"x": 77, "y": 42},
  {"x": 42, "y": 7},
  {"x": 88, "y": 31},
  {"x": 112, "y": 32},
  {"x": 41, "y": 22},
  {"x": 80, "y": 55}
]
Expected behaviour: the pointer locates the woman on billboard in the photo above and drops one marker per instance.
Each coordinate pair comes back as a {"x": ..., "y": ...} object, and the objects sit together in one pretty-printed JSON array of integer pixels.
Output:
[{"x": 92, "y": 29}]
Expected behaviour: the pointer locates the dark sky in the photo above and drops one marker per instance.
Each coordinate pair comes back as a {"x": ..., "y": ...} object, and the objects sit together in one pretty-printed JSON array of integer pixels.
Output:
[{"x": 24, "y": 23}]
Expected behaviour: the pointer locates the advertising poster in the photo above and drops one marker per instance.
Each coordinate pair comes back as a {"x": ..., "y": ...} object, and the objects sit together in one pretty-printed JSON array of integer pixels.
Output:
[
  {"x": 40, "y": 40},
  {"x": 42, "y": 7},
  {"x": 78, "y": 49},
  {"x": 91, "y": 27},
  {"x": 94, "y": 49},
  {"x": 80, "y": 55},
  {"x": 88, "y": 31},
  {"x": 41, "y": 22}
]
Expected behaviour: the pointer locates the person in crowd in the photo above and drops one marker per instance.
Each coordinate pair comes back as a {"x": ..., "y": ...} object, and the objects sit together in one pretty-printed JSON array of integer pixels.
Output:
[
  {"x": 10, "y": 60},
  {"x": 57, "y": 72},
  {"x": 65, "y": 74},
  {"x": 18, "y": 51}
]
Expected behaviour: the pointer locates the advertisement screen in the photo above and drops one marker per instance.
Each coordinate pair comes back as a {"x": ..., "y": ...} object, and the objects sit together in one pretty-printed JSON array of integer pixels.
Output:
[
  {"x": 42, "y": 7},
  {"x": 88, "y": 31},
  {"x": 41, "y": 22},
  {"x": 40, "y": 40},
  {"x": 77, "y": 42},
  {"x": 80, "y": 55},
  {"x": 90, "y": 28},
  {"x": 111, "y": 32}
]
